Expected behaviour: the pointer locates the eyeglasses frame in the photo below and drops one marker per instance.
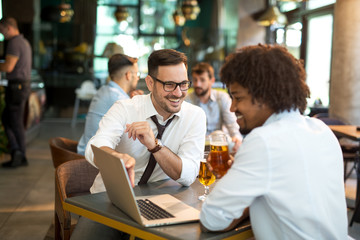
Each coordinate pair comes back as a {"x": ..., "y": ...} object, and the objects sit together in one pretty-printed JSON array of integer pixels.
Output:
[{"x": 170, "y": 82}]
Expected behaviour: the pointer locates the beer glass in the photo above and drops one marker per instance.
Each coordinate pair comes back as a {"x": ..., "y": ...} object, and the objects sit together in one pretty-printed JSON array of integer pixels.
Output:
[
  {"x": 206, "y": 177},
  {"x": 219, "y": 154}
]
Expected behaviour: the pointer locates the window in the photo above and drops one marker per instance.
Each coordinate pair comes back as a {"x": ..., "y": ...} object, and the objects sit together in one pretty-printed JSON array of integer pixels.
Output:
[
  {"x": 138, "y": 36},
  {"x": 318, "y": 57}
]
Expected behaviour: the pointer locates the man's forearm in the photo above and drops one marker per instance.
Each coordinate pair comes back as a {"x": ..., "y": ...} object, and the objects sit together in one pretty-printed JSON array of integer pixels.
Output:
[
  {"x": 232, "y": 225},
  {"x": 169, "y": 162}
]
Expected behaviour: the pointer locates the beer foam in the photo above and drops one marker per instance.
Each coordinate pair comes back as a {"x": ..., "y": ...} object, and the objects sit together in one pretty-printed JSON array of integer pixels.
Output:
[{"x": 219, "y": 144}]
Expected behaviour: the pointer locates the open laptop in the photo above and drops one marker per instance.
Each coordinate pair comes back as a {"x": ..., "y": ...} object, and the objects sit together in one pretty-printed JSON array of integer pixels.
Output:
[{"x": 168, "y": 209}]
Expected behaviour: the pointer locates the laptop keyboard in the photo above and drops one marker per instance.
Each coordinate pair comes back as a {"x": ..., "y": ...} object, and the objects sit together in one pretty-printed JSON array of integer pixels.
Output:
[{"x": 151, "y": 211}]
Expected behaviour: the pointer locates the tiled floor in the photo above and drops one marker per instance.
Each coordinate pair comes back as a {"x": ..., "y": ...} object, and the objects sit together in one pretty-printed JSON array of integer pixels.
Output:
[{"x": 27, "y": 193}]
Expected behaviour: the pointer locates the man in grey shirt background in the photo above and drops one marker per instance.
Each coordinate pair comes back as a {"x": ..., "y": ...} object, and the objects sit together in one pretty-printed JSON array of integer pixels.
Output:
[
  {"x": 216, "y": 104},
  {"x": 17, "y": 65}
]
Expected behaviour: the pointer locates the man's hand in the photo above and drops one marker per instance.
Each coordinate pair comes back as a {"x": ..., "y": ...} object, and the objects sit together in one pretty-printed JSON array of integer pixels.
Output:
[
  {"x": 208, "y": 162},
  {"x": 143, "y": 132},
  {"x": 136, "y": 92},
  {"x": 128, "y": 161},
  {"x": 237, "y": 142}
]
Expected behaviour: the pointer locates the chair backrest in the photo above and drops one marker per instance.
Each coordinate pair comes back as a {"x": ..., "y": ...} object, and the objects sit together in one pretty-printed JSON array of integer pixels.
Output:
[
  {"x": 72, "y": 178},
  {"x": 63, "y": 150},
  {"x": 86, "y": 91},
  {"x": 327, "y": 120}
]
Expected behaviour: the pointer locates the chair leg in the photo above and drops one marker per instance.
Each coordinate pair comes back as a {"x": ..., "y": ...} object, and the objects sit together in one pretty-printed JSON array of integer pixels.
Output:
[
  {"x": 345, "y": 170},
  {"x": 57, "y": 228},
  {"x": 75, "y": 112}
]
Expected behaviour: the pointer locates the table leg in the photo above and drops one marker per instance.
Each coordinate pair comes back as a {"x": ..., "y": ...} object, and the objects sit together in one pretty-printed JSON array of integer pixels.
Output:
[{"x": 356, "y": 215}]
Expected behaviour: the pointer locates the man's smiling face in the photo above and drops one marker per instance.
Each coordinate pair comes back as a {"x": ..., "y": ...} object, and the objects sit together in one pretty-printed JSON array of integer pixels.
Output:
[{"x": 249, "y": 112}]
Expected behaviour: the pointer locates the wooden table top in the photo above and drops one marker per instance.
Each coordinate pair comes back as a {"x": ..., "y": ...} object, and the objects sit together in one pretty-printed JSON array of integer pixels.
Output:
[{"x": 348, "y": 131}]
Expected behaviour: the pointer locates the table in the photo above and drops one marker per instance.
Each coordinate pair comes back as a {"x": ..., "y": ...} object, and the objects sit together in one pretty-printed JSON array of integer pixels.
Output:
[
  {"x": 351, "y": 132},
  {"x": 98, "y": 207}
]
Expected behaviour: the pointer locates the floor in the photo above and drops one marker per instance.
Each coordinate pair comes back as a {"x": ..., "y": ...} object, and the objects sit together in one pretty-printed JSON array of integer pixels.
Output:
[{"x": 27, "y": 193}]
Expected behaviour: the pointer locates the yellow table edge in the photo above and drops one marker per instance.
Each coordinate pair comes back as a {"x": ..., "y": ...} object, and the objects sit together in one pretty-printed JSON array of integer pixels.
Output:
[
  {"x": 133, "y": 231},
  {"x": 110, "y": 222}
]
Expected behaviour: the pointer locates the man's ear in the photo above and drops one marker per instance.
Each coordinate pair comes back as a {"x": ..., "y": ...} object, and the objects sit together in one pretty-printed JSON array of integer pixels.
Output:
[
  {"x": 149, "y": 83},
  {"x": 212, "y": 81},
  {"x": 127, "y": 75}
]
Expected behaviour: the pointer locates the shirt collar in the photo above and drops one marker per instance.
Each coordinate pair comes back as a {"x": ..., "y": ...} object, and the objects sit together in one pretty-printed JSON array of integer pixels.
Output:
[
  {"x": 150, "y": 110},
  {"x": 276, "y": 116},
  {"x": 212, "y": 95},
  {"x": 116, "y": 86}
]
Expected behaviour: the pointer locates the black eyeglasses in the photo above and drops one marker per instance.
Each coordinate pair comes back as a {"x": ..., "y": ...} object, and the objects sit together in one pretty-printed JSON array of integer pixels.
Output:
[{"x": 171, "y": 86}]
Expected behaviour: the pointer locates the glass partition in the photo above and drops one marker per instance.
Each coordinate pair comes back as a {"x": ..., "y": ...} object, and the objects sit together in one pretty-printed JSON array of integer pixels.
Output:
[{"x": 318, "y": 60}]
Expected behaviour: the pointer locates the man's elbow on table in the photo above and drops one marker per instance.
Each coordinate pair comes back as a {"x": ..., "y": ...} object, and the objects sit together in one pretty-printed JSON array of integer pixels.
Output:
[{"x": 231, "y": 226}]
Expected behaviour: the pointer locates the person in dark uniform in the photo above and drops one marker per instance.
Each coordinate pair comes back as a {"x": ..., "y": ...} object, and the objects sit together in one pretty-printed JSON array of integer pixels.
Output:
[{"x": 17, "y": 65}]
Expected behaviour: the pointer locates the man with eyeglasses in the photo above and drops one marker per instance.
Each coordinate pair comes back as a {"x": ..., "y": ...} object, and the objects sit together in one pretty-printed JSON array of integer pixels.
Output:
[
  {"x": 158, "y": 126},
  {"x": 124, "y": 76}
]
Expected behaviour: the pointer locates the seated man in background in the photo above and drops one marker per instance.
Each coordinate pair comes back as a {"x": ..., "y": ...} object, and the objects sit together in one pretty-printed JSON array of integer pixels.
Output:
[
  {"x": 289, "y": 169},
  {"x": 216, "y": 104},
  {"x": 129, "y": 130},
  {"x": 123, "y": 73}
]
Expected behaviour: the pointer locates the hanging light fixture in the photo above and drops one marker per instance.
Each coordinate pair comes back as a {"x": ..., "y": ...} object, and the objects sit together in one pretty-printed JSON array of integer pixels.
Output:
[
  {"x": 179, "y": 19},
  {"x": 272, "y": 16},
  {"x": 190, "y": 9},
  {"x": 121, "y": 13},
  {"x": 65, "y": 12}
]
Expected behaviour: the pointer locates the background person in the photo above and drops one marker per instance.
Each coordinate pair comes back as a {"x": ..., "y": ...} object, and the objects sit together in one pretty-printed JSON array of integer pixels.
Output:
[
  {"x": 124, "y": 76},
  {"x": 289, "y": 169},
  {"x": 17, "y": 66},
  {"x": 216, "y": 104},
  {"x": 128, "y": 130}
]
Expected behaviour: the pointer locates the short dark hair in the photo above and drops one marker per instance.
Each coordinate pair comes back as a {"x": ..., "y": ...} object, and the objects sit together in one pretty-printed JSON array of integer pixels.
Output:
[
  {"x": 9, "y": 21},
  {"x": 271, "y": 74},
  {"x": 118, "y": 61},
  {"x": 202, "y": 67},
  {"x": 164, "y": 57}
]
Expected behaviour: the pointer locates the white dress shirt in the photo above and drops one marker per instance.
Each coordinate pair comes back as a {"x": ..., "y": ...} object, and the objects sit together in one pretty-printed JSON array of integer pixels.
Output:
[
  {"x": 290, "y": 172},
  {"x": 185, "y": 136}
]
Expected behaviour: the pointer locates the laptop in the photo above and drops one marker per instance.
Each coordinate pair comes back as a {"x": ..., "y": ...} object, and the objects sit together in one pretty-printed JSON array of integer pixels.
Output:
[{"x": 149, "y": 211}]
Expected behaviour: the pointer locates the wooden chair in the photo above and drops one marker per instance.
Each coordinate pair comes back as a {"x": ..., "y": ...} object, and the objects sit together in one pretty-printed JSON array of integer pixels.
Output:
[
  {"x": 63, "y": 150},
  {"x": 72, "y": 178}
]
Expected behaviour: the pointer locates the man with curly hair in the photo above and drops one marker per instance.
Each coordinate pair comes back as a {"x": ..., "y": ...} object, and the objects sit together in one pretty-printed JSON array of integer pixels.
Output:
[{"x": 288, "y": 173}]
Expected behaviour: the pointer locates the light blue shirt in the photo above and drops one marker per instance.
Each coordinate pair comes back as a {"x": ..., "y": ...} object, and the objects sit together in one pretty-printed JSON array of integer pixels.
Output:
[
  {"x": 217, "y": 111},
  {"x": 105, "y": 97},
  {"x": 290, "y": 173}
]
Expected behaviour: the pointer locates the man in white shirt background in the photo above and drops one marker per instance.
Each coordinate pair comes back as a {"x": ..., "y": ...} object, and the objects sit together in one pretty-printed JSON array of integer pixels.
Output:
[
  {"x": 289, "y": 169},
  {"x": 215, "y": 103},
  {"x": 128, "y": 130}
]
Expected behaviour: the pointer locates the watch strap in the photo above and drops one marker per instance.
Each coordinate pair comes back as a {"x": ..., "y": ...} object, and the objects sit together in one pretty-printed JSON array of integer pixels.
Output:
[{"x": 157, "y": 147}]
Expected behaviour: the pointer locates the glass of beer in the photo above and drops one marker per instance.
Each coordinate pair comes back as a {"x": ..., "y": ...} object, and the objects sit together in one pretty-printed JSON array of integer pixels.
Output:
[
  {"x": 219, "y": 154},
  {"x": 206, "y": 177}
]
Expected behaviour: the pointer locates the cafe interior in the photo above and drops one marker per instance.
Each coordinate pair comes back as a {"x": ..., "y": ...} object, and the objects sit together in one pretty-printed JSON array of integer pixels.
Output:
[{"x": 72, "y": 41}]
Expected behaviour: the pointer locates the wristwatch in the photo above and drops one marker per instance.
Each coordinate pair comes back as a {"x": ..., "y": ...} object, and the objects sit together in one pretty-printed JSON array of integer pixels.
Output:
[{"x": 158, "y": 146}]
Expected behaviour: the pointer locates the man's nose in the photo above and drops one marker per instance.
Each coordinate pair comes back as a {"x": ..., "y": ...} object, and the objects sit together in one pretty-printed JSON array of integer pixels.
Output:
[
  {"x": 232, "y": 106},
  {"x": 177, "y": 91}
]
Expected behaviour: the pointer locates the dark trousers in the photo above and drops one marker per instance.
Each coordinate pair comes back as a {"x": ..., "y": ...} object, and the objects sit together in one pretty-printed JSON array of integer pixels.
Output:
[{"x": 16, "y": 95}]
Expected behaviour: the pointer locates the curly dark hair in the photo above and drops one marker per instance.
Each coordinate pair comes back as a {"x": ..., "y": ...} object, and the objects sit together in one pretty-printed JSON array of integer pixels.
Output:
[{"x": 271, "y": 75}]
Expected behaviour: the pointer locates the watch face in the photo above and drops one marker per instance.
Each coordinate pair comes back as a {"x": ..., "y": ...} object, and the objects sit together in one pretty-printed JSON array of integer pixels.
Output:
[{"x": 159, "y": 143}]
